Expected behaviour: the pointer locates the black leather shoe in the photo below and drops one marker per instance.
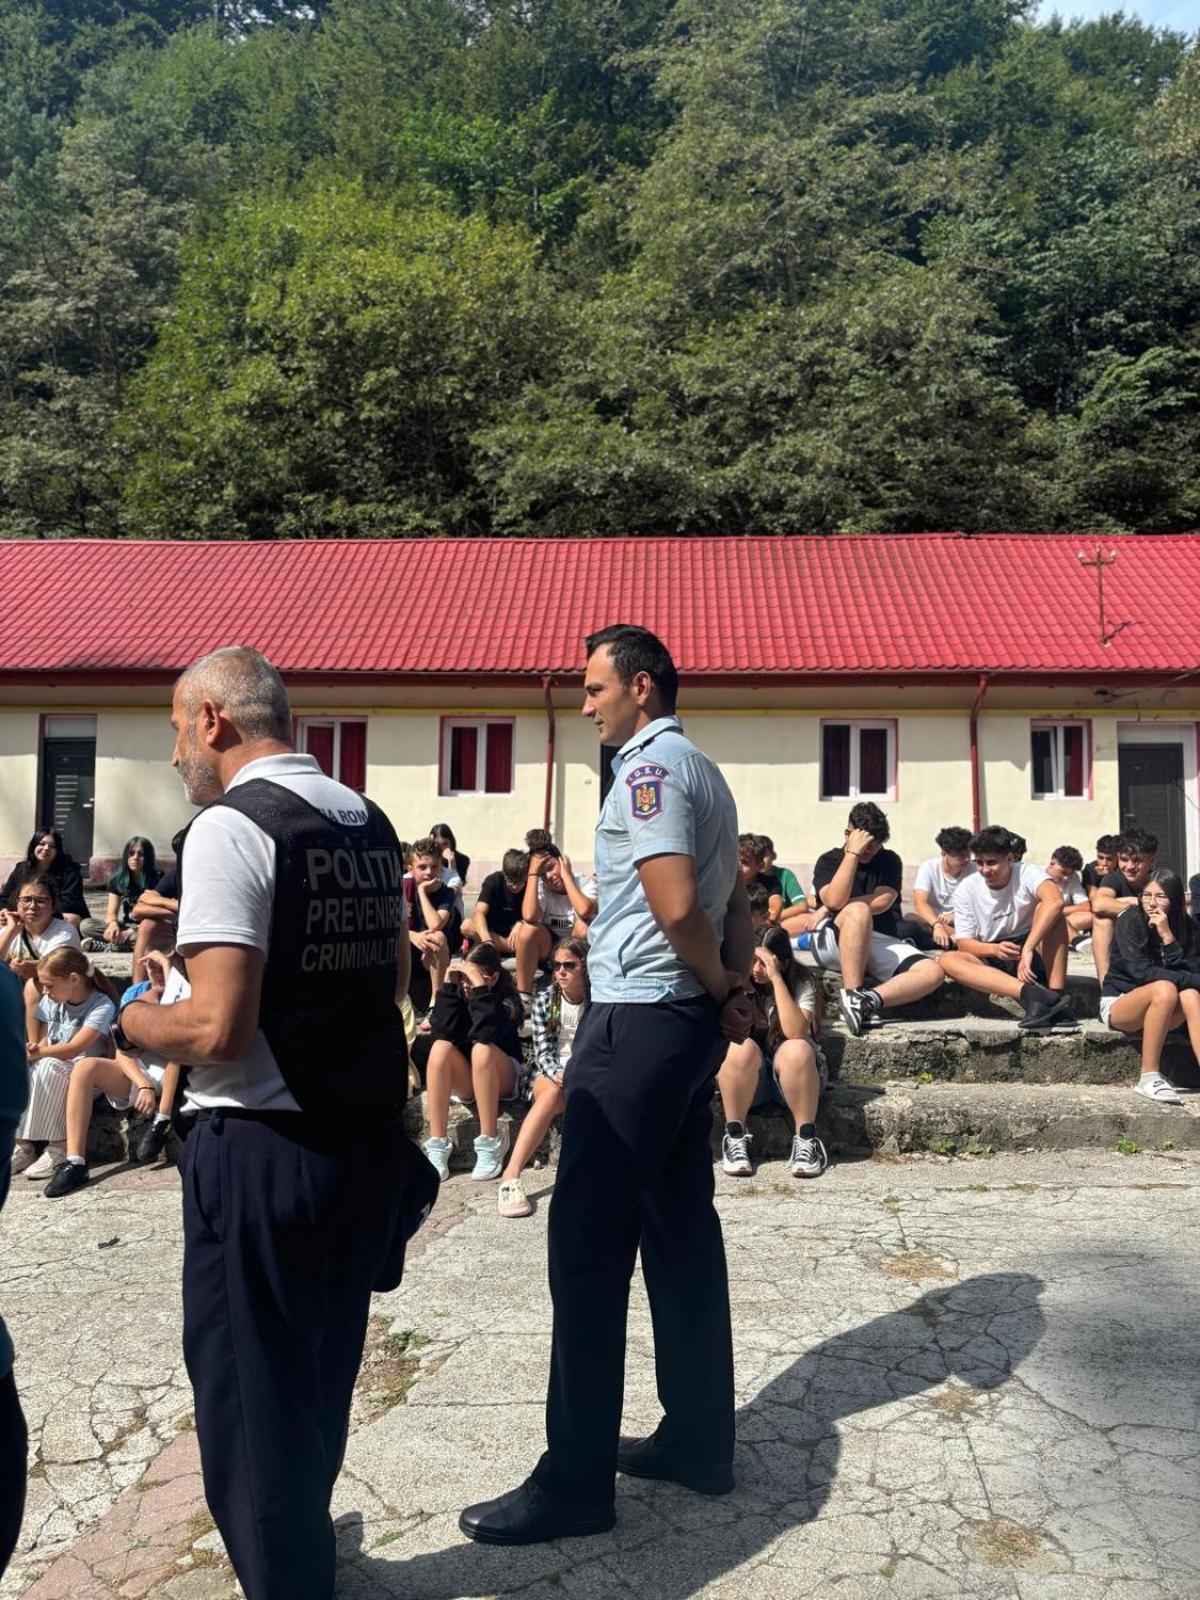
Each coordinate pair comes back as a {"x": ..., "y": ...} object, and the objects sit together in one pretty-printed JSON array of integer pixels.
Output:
[
  {"x": 650, "y": 1458},
  {"x": 529, "y": 1515}
]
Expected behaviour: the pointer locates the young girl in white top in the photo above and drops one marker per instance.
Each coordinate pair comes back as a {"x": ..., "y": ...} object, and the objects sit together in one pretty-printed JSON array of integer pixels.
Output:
[
  {"x": 74, "y": 1018},
  {"x": 558, "y": 1009}
]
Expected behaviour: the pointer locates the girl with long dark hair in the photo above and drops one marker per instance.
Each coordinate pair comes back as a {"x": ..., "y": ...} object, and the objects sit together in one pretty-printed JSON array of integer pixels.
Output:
[
  {"x": 1153, "y": 981},
  {"x": 781, "y": 1062},
  {"x": 46, "y": 857},
  {"x": 558, "y": 1009},
  {"x": 137, "y": 872}
]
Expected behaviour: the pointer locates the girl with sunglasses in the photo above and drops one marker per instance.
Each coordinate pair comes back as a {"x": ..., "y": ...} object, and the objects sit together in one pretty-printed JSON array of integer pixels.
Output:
[{"x": 558, "y": 1009}]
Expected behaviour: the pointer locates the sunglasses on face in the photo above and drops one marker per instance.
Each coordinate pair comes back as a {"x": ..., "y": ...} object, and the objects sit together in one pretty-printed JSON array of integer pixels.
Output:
[{"x": 565, "y": 966}]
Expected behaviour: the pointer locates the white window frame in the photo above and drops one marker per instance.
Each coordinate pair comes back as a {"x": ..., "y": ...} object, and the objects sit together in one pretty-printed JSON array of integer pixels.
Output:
[
  {"x": 856, "y": 725},
  {"x": 303, "y": 724},
  {"x": 482, "y": 724},
  {"x": 1058, "y": 757}
]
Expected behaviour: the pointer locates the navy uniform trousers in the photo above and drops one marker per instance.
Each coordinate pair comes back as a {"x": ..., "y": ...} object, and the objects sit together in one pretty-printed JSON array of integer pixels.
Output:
[
  {"x": 636, "y": 1170},
  {"x": 287, "y": 1228}
]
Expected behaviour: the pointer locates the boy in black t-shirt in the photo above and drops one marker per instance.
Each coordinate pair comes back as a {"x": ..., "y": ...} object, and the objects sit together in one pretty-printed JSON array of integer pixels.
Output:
[
  {"x": 1137, "y": 857},
  {"x": 433, "y": 924},
  {"x": 498, "y": 909},
  {"x": 860, "y": 884},
  {"x": 1105, "y": 862}
]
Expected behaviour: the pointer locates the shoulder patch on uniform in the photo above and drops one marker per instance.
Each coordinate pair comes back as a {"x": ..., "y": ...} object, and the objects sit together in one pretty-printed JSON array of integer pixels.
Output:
[{"x": 645, "y": 786}]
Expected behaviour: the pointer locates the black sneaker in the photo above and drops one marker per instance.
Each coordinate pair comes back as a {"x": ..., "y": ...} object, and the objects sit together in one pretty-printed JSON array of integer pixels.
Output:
[
  {"x": 150, "y": 1146},
  {"x": 67, "y": 1177},
  {"x": 860, "y": 1009},
  {"x": 1041, "y": 1017}
]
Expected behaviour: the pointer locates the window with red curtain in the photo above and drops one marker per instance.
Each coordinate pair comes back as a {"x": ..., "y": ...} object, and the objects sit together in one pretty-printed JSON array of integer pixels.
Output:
[
  {"x": 352, "y": 762},
  {"x": 1074, "y": 781},
  {"x": 498, "y": 773},
  {"x": 835, "y": 759},
  {"x": 873, "y": 773},
  {"x": 318, "y": 742},
  {"x": 464, "y": 757}
]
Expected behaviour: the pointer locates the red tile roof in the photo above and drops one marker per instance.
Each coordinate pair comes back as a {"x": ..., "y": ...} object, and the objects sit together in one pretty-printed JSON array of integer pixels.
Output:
[{"x": 740, "y": 607}]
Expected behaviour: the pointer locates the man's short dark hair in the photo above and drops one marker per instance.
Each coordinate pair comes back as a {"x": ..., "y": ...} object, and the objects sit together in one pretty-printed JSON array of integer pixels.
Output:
[
  {"x": 758, "y": 897},
  {"x": 1017, "y": 845},
  {"x": 1146, "y": 844},
  {"x": 993, "y": 841},
  {"x": 632, "y": 650},
  {"x": 766, "y": 845},
  {"x": 424, "y": 849},
  {"x": 538, "y": 840},
  {"x": 748, "y": 849},
  {"x": 515, "y": 864},
  {"x": 1067, "y": 856},
  {"x": 1107, "y": 844},
  {"x": 954, "y": 841},
  {"x": 867, "y": 815}
]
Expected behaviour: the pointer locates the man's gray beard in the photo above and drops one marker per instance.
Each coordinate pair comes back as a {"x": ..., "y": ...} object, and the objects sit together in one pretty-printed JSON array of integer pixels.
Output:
[{"x": 199, "y": 781}]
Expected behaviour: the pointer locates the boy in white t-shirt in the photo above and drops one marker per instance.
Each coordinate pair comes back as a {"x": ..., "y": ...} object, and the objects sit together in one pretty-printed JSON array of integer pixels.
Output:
[
  {"x": 1011, "y": 935},
  {"x": 1064, "y": 868},
  {"x": 556, "y": 906},
  {"x": 931, "y": 925}
]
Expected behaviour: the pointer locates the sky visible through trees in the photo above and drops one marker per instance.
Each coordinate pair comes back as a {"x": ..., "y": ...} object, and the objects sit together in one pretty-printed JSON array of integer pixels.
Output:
[{"x": 362, "y": 268}]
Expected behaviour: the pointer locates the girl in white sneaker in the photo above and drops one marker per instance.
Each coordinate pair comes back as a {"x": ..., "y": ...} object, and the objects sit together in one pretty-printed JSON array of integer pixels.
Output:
[
  {"x": 558, "y": 1009},
  {"x": 476, "y": 1056},
  {"x": 782, "y": 1062},
  {"x": 73, "y": 1019},
  {"x": 1153, "y": 979}
]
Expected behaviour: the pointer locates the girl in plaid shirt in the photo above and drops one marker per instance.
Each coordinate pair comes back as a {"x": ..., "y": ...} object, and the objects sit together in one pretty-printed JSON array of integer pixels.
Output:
[{"x": 558, "y": 1009}]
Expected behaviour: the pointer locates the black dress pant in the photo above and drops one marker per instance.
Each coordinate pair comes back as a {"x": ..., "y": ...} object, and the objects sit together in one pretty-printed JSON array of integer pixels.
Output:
[
  {"x": 636, "y": 1170},
  {"x": 14, "y": 1446},
  {"x": 287, "y": 1228}
]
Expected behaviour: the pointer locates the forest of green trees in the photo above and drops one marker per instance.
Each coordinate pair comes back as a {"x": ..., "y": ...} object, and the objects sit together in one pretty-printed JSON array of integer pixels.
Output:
[{"x": 372, "y": 267}]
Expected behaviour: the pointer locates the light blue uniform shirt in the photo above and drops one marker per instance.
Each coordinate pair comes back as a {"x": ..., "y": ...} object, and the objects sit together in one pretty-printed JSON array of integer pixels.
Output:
[{"x": 667, "y": 798}]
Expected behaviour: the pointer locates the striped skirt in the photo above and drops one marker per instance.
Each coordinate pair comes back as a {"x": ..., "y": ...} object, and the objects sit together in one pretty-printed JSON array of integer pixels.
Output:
[{"x": 46, "y": 1114}]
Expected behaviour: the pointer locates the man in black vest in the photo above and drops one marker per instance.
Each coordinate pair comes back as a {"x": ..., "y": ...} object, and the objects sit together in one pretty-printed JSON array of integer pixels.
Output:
[{"x": 299, "y": 1187}]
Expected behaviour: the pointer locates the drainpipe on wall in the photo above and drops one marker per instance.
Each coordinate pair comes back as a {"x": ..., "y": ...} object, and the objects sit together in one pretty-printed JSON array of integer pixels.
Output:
[
  {"x": 980, "y": 697},
  {"x": 547, "y": 686}
]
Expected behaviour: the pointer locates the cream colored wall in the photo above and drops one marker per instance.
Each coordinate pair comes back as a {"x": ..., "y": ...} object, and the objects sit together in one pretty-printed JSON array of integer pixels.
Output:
[
  {"x": 1007, "y": 788},
  {"x": 137, "y": 789},
  {"x": 18, "y": 781}
]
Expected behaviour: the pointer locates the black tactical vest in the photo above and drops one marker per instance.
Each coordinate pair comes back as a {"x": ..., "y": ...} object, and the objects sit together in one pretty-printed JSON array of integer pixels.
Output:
[{"x": 328, "y": 1006}]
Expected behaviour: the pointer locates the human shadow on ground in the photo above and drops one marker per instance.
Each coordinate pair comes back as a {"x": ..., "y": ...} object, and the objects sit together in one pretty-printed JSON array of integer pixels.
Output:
[{"x": 977, "y": 1332}]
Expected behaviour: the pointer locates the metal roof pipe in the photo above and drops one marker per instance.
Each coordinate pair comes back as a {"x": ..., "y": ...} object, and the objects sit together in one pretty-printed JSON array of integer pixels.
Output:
[
  {"x": 980, "y": 697},
  {"x": 547, "y": 686}
]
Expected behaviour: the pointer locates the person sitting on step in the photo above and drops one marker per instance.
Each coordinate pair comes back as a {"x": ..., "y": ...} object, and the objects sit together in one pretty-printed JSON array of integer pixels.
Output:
[
  {"x": 1118, "y": 890},
  {"x": 555, "y": 906},
  {"x": 558, "y": 1008},
  {"x": 73, "y": 1019},
  {"x": 498, "y": 908},
  {"x": 859, "y": 882},
  {"x": 137, "y": 873},
  {"x": 46, "y": 857},
  {"x": 1153, "y": 981},
  {"x": 931, "y": 925},
  {"x": 137, "y": 1081},
  {"x": 1064, "y": 867},
  {"x": 475, "y": 1057},
  {"x": 781, "y": 1063},
  {"x": 433, "y": 923},
  {"x": 1011, "y": 935}
]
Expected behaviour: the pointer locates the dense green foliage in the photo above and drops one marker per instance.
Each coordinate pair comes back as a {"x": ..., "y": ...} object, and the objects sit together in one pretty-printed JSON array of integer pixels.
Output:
[{"x": 368, "y": 267}]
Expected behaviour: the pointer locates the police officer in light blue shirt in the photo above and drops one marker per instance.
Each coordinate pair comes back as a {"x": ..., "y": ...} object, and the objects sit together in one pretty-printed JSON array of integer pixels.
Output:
[{"x": 668, "y": 958}]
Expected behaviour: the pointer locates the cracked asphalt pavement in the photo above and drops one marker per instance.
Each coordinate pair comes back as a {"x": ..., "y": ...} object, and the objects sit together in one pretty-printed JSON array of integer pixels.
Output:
[{"x": 969, "y": 1378}]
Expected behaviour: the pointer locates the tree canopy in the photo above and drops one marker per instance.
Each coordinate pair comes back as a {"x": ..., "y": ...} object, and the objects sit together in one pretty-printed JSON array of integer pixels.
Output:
[{"x": 367, "y": 267}]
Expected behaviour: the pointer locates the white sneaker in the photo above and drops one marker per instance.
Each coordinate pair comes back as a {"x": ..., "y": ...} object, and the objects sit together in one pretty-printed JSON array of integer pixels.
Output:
[
  {"x": 735, "y": 1157},
  {"x": 48, "y": 1160},
  {"x": 1155, "y": 1087},
  {"x": 22, "y": 1159},
  {"x": 490, "y": 1151},
  {"x": 438, "y": 1152},
  {"x": 809, "y": 1158}
]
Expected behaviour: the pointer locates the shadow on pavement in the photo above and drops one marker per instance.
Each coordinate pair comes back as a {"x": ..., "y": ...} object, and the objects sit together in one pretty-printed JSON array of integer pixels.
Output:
[{"x": 977, "y": 1332}]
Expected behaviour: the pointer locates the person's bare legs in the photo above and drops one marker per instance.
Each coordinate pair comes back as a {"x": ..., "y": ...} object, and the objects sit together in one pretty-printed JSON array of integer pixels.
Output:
[
  {"x": 975, "y": 974},
  {"x": 854, "y": 926},
  {"x": 1103, "y": 929},
  {"x": 531, "y": 943},
  {"x": 1189, "y": 1010},
  {"x": 914, "y": 983},
  {"x": 1079, "y": 920},
  {"x": 738, "y": 1079},
  {"x": 493, "y": 1078},
  {"x": 799, "y": 1079},
  {"x": 88, "y": 1075},
  {"x": 548, "y": 1101},
  {"x": 172, "y": 1073},
  {"x": 436, "y": 958},
  {"x": 1152, "y": 1009},
  {"x": 448, "y": 1072},
  {"x": 31, "y": 994},
  {"x": 1054, "y": 949}
]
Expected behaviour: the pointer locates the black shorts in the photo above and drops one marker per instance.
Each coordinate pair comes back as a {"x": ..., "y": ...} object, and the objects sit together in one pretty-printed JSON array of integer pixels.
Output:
[{"x": 1040, "y": 974}]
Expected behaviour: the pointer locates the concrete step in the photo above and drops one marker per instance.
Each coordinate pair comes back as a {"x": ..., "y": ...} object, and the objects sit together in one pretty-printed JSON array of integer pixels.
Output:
[
  {"x": 900, "y": 1118},
  {"x": 976, "y": 1049}
]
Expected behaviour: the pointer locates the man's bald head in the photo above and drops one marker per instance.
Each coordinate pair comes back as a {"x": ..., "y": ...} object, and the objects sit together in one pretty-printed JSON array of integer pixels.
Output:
[{"x": 244, "y": 686}]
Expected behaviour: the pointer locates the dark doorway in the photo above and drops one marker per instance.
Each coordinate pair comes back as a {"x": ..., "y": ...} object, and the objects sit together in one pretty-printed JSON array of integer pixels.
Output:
[
  {"x": 1152, "y": 797},
  {"x": 607, "y": 752},
  {"x": 69, "y": 793}
]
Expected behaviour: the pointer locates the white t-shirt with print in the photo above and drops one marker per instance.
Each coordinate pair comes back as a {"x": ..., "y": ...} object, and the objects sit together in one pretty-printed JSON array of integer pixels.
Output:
[
  {"x": 570, "y": 1015},
  {"x": 933, "y": 879},
  {"x": 228, "y": 896},
  {"x": 56, "y": 935},
  {"x": 993, "y": 915},
  {"x": 558, "y": 913}
]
